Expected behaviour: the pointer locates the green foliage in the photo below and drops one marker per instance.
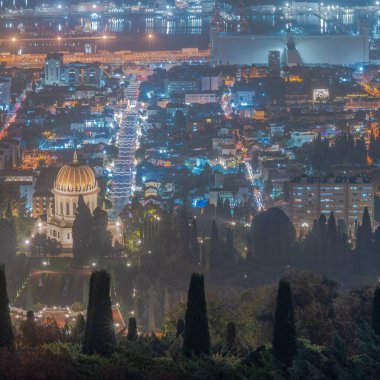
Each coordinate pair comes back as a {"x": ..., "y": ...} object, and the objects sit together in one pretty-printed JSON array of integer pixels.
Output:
[
  {"x": 180, "y": 328},
  {"x": 231, "y": 335},
  {"x": 376, "y": 312},
  {"x": 79, "y": 329}
]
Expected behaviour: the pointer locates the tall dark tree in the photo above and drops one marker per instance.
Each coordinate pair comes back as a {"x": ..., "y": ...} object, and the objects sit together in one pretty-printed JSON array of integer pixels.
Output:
[
  {"x": 100, "y": 242},
  {"x": 364, "y": 235},
  {"x": 100, "y": 332},
  {"x": 273, "y": 237},
  {"x": 204, "y": 259},
  {"x": 196, "y": 337},
  {"x": 82, "y": 232},
  {"x": 332, "y": 237},
  {"x": 230, "y": 244},
  {"x": 322, "y": 224},
  {"x": 6, "y": 332},
  {"x": 8, "y": 238},
  {"x": 284, "y": 332},
  {"x": 132, "y": 329},
  {"x": 219, "y": 207},
  {"x": 214, "y": 247},
  {"x": 194, "y": 246},
  {"x": 227, "y": 209},
  {"x": 376, "y": 311},
  {"x": 183, "y": 232}
]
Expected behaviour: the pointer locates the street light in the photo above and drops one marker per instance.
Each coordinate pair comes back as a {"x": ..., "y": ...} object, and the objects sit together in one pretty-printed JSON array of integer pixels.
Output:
[
  {"x": 104, "y": 42},
  {"x": 13, "y": 39},
  {"x": 150, "y": 37},
  {"x": 59, "y": 42}
]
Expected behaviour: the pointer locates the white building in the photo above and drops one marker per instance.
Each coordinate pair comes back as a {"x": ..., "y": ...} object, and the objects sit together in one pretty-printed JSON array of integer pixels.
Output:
[
  {"x": 73, "y": 180},
  {"x": 200, "y": 98},
  {"x": 297, "y": 139}
]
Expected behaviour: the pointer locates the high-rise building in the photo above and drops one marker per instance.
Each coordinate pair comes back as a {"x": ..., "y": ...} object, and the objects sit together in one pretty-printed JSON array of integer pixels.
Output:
[
  {"x": 274, "y": 64},
  {"x": 346, "y": 197}
]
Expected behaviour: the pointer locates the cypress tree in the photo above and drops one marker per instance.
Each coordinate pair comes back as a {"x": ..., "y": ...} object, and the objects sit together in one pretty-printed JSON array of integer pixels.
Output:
[
  {"x": 132, "y": 329},
  {"x": 366, "y": 222},
  {"x": 227, "y": 209},
  {"x": 364, "y": 235},
  {"x": 6, "y": 333},
  {"x": 331, "y": 227},
  {"x": 229, "y": 243},
  {"x": 231, "y": 335},
  {"x": 180, "y": 328},
  {"x": 196, "y": 336},
  {"x": 194, "y": 246},
  {"x": 284, "y": 333},
  {"x": 214, "y": 246},
  {"x": 100, "y": 332},
  {"x": 322, "y": 224},
  {"x": 82, "y": 232},
  {"x": 219, "y": 208},
  {"x": 8, "y": 236},
  {"x": 99, "y": 240},
  {"x": 204, "y": 263},
  {"x": 376, "y": 312}
]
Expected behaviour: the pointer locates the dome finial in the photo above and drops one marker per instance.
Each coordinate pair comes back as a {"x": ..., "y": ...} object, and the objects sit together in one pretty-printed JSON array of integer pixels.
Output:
[{"x": 75, "y": 157}]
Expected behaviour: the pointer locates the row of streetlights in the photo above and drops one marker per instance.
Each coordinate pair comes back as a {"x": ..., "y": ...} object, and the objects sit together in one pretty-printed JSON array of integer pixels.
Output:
[{"x": 104, "y": 38}]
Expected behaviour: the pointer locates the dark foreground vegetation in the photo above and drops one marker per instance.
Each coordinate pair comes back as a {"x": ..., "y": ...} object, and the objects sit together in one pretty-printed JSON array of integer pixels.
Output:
[{"x": 202, "y": 343}]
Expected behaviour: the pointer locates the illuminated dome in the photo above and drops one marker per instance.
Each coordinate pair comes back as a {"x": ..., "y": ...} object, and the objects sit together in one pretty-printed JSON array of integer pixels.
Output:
[{"x": 75, "y": 178}]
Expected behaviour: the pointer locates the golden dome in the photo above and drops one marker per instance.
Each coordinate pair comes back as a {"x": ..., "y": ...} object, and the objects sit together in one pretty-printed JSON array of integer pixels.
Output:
[{"x": 75, "y": 177}]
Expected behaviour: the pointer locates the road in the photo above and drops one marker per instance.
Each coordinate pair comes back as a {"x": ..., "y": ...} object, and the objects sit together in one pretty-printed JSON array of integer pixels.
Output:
[
  {"x": 111, "y": 58},
  {"x": 123, "y": 176},
  {"x": 12, "y": 114},
  {"x": 226, "y": 107},
  {"x": 257, "y": 196}
]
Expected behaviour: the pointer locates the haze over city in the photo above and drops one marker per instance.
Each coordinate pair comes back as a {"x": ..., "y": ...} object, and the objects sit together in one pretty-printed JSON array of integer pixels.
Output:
[{"x": 190, "y": 189}]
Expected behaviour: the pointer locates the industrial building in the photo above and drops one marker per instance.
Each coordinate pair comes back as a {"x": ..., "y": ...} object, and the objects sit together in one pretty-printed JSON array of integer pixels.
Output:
[{"x": 293, "y": 49}]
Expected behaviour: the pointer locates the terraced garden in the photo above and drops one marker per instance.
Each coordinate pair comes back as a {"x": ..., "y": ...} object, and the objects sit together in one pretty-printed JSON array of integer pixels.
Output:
[{"x": 55, "y": 288}]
